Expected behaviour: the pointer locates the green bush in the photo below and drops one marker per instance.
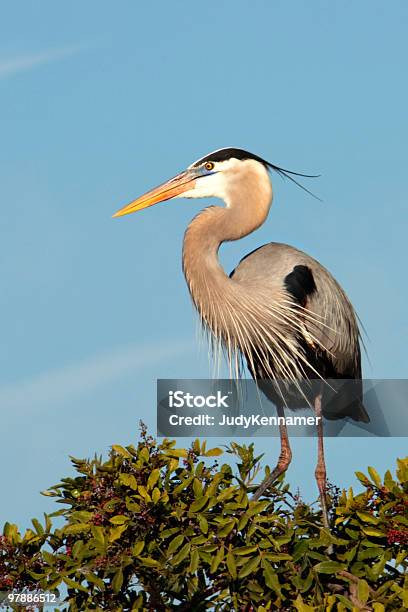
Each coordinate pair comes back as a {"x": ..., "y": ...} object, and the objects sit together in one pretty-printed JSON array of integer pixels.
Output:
[{"x": 160, "y": 528}]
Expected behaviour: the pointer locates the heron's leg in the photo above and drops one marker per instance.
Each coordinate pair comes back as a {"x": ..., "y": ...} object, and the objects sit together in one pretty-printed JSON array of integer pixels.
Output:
[
  {"x": 284, "y": 460},
  {"x": 320, "y": 472}
]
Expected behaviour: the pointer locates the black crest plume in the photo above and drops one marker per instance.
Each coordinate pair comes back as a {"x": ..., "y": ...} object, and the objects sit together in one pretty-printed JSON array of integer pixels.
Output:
[{"x": 230, "y": 152}]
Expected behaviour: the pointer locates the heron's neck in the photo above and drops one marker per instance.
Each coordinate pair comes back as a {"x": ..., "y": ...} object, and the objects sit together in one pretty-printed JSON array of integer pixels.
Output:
[{"x": 206, "y": 279}]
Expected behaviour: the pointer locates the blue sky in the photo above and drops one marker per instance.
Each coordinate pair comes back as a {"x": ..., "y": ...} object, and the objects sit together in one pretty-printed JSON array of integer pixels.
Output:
[{"x": 99, "y": 102}]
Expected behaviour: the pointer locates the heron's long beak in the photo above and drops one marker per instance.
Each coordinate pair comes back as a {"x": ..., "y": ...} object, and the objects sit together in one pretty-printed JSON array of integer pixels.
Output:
[{"x": 170, "y": 189}]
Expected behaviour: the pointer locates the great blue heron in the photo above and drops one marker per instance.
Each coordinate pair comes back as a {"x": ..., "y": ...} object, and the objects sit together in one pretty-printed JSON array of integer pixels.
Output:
[{"x": 279, "y": 309}]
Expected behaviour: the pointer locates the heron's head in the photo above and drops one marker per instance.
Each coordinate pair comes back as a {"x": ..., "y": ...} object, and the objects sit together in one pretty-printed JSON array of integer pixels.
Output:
[{"x": 225, "y": 174}]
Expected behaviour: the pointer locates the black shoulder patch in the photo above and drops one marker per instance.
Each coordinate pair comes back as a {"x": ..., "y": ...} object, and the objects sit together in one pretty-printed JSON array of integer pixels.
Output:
[
  {"x": 228, "y": 153},
  {"x": 300, "y": 283}
]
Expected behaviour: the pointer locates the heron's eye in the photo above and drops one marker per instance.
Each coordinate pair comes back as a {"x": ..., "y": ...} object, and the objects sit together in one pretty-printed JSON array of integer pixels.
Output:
[{"x": 209, "y": 166}]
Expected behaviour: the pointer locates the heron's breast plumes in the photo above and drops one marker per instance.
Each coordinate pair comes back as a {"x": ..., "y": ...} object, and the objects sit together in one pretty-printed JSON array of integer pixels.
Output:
[
  {"x": 253, "y": 315},
  {"x": 248, "y": 320}
]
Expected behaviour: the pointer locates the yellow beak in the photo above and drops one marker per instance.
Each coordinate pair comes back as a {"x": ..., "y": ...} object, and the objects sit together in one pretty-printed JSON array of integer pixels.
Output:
[{"x": 174, "y": 187}]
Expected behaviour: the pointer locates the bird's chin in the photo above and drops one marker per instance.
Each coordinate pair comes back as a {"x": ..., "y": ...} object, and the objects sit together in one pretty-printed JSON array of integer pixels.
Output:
[{"x": 191, "y": 193}]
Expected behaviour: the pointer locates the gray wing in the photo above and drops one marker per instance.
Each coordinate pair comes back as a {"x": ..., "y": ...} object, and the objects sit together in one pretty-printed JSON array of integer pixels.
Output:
[
  {"x": 309, "y": 285},
  {"x": 330, "y": 336}
]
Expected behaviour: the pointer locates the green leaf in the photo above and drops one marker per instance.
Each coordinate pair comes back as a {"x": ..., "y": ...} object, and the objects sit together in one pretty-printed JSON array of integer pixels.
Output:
[
  {"x": 209, "y": 547},
  {"x": 91, "y": 578},
  {"x": 231, "y": 565},
  {"x": 249, "y": 567},
  {"x": 83, "y": 516},
  {"x": 217, "y": 559},
  {"x": 196, "y": 446},
  {"x": 29, "y": 535},
  {"x": 278, "y": 557},
  {"x": 314, "y": 555},
  {"x": 177, "y": 452},
  {"x": 245, "y": 550},
  {"x": 197, "y": 488},
  {"x": 349, "y": 605},
  {"x": 149, "y": 562},
  {"x": 50, "y": 559},
  {"x": 307, "y": 583},
  {"x": 401, "y": 556},
  {"x": 98, "y": 534},
  {"x": 144, "y": 455},
  {"x": 301, "y": 606},
  {"x": 166, "y": 533},
  {"x": 76, "y": 528},
  {"x": 328, "y": 567},
  {"x": 375, "y": 477},
  {"x": 137, "y": 548},
  {"x": 76, "y": 549},
  {"x": 116, "y": 532},
  {"x": 198, "y": 504},
  {"x": 242, "y": 523},
  {"x": 182, "y": 554},
  {"x": 270, "y": 576},
  {"x": 117, "y": 581},
  {"x": 121, "y": 451},
  {"x": 226, "y": 529},
  {"x": 194, "y": 561},
  {"x": 36, "y": 575},
  {"x": 172, "y": 465},
  {"x": 110, "y": 505},
  {"x": 363, "y": 591},
  {"x": 37, "y": 526},
  {"x": 366, "y": 517},
  {"x": 119, "y": 519},
  {"x": 370, "y": 531},
  {"x": 389, "y": 482},
  {"x": 201, "y": 539},
  {"x": 300, "y": 550},
  {"x": 175, "y": 544},
  {"x": 213, "y": 452},
  {"x": 183, "y": 485},
  {"x": 226, "y": 494},
  {"x": 74, "y": 585},
  {"x": 143, "y": 492},
  {"x": 128, "y": 480},
  {"x": 51, "y": 586},
  {"x": 156, "y": 495},
  {"x": 370, "y": 553},
  {"x": 256, "y": 508},
  {"x": 202, "y": 521},
  {"x": 153, "y": 478},
  {"x": 362, "y": 478}
]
